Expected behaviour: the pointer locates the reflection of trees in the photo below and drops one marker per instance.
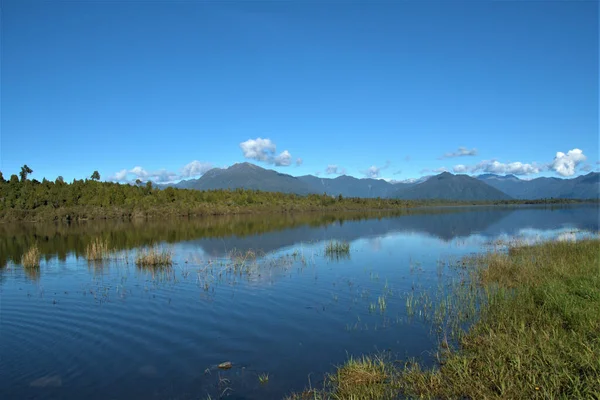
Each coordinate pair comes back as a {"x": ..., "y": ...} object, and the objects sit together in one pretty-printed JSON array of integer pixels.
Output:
[
  {"x": 61, "y": 239},
  {"x": 271, "y": 232}
]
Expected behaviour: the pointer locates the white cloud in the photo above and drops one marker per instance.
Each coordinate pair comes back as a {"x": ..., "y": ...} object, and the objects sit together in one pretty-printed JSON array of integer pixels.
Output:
[
  {"x": 162, "y": 176},
  {"x": 258, "y": 149},
  {"x": 192, "y": 169},
  {"x": 372, "y": 172},
  {"x": 195, "y": 168},
  {"x": 284, "y": 159},
  {"x": 119, "y": 176},
  {"x": 299, "y": 161},
  {"x": 139, "y": 172},
  {"x": 334, "y": 170},
  {"x": 460, "y": 169},
  {"x": 440, "y": 170},
  {"x": 565, "y": 164},
  {"x": 461, "y": 152},
  {"x": 586, "y": 168},
  {"x": 264, "y": 150},
  {"x": 514, "y": 168}
]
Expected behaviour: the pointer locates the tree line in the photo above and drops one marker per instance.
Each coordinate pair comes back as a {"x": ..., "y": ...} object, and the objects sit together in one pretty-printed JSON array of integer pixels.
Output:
[{"x": 22, "y": 198}]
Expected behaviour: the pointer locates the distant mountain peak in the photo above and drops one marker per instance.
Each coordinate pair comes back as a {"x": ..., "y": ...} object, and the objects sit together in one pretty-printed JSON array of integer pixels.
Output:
[{"x": 244, "y": 165}]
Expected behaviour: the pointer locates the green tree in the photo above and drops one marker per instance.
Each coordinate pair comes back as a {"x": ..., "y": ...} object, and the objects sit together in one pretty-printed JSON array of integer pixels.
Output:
[
  {"x": 25, "y": 171},
  {"x": 14, "y": 179},
  {"x": 60, "y": 180},
  {"x": 96, "y": 176},
  {"x": 2, "y": 178}
]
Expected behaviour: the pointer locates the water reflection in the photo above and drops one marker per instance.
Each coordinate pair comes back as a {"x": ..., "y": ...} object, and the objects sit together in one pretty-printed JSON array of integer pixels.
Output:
[
  {"x": 216, "y": 236},
  {"x": 259, "y": 292}
]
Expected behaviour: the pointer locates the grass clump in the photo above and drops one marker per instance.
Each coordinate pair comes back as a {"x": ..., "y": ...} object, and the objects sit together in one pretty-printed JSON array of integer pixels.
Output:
[
  {"x": 367, "y": 377},
  {"x": 536, "y": 336},
  {"x": 337, "y": 249},
  {"x": 31, "y": 258},
  {"x": 263, "y": 378},
  {"x": 97, "y": 250},
  {"x": 154, "y": 257}
]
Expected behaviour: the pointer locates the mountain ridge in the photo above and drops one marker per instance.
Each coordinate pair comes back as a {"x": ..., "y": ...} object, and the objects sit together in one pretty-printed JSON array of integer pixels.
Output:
[{"x": 446, "y": 185}]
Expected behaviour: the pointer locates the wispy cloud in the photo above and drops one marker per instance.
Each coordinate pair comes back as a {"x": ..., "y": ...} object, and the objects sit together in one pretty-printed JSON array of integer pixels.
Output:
[
  {"x": 496, "y": 167},
  {"x": 398, "y": 172},
  {"x": 299, "y": 161},
  {"x": 586, "y": 168},
  {"x": 264, "y": 150},
  {"x": 461, "y": 152},
  {"x": 565, "y": 164},
  {"x": 334, "y": 170},
  {"x": 435, "y": 170},
  {"x": 192, "y": 169},
  {"x": 374, "y": 172}
]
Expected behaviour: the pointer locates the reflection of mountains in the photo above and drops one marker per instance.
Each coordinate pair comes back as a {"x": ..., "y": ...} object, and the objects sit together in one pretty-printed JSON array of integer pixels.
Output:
[
  {"x": 486, "y": 221},
  {"x": 216, "y": 235}
]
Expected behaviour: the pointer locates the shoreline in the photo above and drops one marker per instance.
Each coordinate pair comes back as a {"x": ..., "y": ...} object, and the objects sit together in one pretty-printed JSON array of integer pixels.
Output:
[
  {"x": 94, "y": 213},
  {"x": 534, "y": 315}
]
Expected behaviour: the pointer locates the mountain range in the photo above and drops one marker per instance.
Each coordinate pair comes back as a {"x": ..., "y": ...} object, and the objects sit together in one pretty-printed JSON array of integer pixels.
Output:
[{"x": 445, "y": 186}]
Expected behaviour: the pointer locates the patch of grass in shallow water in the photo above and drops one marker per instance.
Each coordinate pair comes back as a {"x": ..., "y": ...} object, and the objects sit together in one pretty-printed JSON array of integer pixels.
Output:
[{"x": 537, "y": 334}]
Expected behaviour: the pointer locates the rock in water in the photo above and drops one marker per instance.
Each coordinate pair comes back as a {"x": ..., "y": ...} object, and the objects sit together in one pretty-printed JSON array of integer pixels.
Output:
[{"x": 225, "y": 365}]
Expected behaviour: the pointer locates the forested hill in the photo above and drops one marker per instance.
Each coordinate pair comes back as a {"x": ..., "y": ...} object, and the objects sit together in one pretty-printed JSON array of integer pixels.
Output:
[{"x": 91, "y": 199}]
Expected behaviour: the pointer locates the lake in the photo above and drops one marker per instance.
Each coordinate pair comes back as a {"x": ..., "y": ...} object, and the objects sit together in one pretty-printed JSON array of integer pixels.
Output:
[{"x": 257, "y": 291}]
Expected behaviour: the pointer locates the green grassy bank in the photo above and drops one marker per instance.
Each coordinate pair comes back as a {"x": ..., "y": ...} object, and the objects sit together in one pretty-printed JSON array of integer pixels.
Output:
[{"x": 536, "y": 335}]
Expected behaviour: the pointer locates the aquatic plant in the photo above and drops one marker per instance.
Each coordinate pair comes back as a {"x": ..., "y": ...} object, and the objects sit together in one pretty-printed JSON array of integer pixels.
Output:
[
  {"x": 263, "y": 378},
  {"x": 154, "y": 257},
  {"x": 97, "y": 249},
  {"x": 337, "y": 249},
  {"x": 31, "y": 258}
]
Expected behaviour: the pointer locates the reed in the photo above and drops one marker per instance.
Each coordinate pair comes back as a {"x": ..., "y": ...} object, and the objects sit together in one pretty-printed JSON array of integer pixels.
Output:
[
  {"x": 154, "y": 257},
  {"x": 97, "y": 250},
  {"x": 31, "y": 258},
  {"x": 337, "y": 249}
]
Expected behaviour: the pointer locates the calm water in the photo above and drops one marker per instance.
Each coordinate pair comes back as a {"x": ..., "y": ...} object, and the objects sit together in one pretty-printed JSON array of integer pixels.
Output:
[{"x": 76, "y": 330}]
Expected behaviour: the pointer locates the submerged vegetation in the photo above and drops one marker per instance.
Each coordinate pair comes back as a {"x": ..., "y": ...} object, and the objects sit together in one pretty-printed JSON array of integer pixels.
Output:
[
  {"x": 537, "y": 333},
  {"x": 31, "y": 258},
  {"x": 30, "y": 200}
]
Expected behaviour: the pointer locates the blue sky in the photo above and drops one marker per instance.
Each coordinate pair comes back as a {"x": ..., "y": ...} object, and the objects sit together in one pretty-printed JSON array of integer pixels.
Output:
[{"x": 395, "y": 90}]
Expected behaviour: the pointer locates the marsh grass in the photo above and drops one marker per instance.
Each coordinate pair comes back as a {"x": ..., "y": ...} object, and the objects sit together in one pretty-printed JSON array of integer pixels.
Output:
[
  {"x": 263, "y": 378},
  {"x": 154, "y": 257},
  {"x": 31, "y": 258},
  {"x": 534, "y": 332},
  {"x": 336, "y": 249},
  {"x": 97, "y": 250}
]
